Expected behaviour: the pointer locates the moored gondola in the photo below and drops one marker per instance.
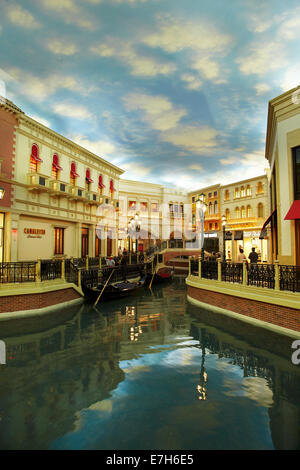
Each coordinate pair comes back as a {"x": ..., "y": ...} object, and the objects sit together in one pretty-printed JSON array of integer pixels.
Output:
[
  {"x": 161, "y": 275},
  {"x": 112, "y": 291}
]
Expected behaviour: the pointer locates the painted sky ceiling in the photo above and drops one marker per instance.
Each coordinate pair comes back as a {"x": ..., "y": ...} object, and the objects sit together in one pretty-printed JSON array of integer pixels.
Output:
[{"x": 173, "y": 92}]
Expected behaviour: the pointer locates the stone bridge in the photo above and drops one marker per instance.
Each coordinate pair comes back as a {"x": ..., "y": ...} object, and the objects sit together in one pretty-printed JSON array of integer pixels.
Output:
[{"x": 175, "y": 252}]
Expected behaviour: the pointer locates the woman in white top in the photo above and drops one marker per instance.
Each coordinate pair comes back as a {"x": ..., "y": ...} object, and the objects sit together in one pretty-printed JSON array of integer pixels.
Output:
[{"x": 241, "y": 256}]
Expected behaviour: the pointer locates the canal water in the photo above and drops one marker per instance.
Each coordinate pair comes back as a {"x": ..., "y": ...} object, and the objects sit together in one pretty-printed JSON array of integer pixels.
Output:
[{"x": 148, "y": 372}]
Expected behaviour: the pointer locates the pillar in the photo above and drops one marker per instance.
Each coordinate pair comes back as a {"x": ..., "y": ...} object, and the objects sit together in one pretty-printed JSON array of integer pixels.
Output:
[{"x": 277, "y": 275}]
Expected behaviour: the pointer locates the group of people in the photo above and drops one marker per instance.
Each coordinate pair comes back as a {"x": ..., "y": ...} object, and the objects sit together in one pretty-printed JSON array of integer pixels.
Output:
[{"x": 253, "y": 257}]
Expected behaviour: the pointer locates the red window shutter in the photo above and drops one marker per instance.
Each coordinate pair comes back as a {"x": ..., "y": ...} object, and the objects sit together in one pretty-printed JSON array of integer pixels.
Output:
[
  {"x": 35, "y": 153},
  {"x": 73, "y": 170},
  {"x": 101, "y": 185},
  {"x": 88, "y": 176},
  {"x": 55, "y": 162}
]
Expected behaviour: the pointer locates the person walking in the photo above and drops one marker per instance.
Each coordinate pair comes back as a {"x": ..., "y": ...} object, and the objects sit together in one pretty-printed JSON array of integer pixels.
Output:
[
  {"x": 241, "y": 256},
  {"x": 253, "y": 256}
]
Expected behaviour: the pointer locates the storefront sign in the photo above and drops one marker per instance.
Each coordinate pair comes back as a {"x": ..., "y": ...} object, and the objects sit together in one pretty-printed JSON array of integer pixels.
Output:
[
  {"x": 210, "y": 235},
  {"x": 251, "y": 234},
  {"x": 34, "y": 232}
]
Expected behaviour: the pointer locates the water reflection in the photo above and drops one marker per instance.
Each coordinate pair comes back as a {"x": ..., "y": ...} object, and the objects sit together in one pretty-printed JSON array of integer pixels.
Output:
[{"x": 147, "y": 372}]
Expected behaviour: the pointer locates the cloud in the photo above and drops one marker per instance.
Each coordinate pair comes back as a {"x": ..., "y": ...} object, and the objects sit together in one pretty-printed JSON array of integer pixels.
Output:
[
  {"x": 135, "y": 170},
  {"x": 196, "y": 139},
  {"x": 98, "y": 147},
  {"x": 291, "y": 77},
  {"x": 141, "y": 65},
  {"x": 43, "y": 121},
  {"x": 229, "y": 160},
  {"x": 61, "y": 47},
  {"x": 192, "y": 82},
  {"x": 74, "y": 111},
  {"x": 158, "y": 111},
  {"x": 175, "y": 35},
  {"x": 201, "y": 38},
  {"x": 262, "y": 88},
  {"x": 69, "y": 11},
  {"x": 196, "y": 167},
  {"x": 21, "y": 17},
  {"x": 262, "y": 57},
  {"x": 41, "y": 88}
]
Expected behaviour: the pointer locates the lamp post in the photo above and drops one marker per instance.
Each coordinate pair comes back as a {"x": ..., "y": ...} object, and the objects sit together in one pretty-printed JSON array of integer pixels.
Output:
[
  {"x": 201, "y": 207},
  {"x": 223, "y": 225}
]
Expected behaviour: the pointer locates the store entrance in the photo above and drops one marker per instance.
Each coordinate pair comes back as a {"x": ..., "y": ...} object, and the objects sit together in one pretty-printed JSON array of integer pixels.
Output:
[
  {"x": 1, "y": 237},
  {"x": 84, "y": 242}
]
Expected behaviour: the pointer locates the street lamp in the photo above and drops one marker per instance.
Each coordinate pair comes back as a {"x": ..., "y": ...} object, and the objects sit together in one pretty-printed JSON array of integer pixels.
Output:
[
  {"x": 223, "y": 225},
  {"x": 201, "y": 207}
]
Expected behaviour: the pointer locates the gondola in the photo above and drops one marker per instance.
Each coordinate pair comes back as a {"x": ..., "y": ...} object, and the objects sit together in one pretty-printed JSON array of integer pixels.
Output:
[
  {"x": 112, "y": 291},
  {"x": 162, "y": 275}
]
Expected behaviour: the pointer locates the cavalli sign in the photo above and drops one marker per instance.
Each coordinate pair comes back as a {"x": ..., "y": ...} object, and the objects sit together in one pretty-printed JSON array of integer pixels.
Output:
[{"x": 34, "y": 232}]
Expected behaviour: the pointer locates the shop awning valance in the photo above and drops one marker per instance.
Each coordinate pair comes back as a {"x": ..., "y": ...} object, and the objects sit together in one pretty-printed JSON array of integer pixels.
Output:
[
  {"x": 88, "y": 176},
  {"x": 55, "y": 162},
  {"x": 228, "y": 235},
  {"x": 101, "y": 185},
  {"x": 73, "y": 170},
  {"x": 294, "y": 211},
  {"x": 269, "y": 219},
  {"x": 35, "y": 153}
]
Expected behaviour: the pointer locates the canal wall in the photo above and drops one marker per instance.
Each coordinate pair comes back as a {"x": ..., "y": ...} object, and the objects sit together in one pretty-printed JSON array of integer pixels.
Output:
[
  {"x": 260, "y": 306},
  {"x": 15, "y": 299}
]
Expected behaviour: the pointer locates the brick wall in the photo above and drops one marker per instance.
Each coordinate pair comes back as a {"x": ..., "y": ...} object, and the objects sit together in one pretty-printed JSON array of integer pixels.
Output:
[
  {"x": 276, "y": 314},
  {"x": 14, "y": 303}
]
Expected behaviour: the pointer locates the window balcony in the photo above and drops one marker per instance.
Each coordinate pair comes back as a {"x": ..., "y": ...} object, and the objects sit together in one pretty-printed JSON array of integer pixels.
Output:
[
  {"x": 58, "y": 188},
  {"x": 92, "y": 198},
  {"x": 37, "y": 182},
  {"x": 75, "y": 193}
]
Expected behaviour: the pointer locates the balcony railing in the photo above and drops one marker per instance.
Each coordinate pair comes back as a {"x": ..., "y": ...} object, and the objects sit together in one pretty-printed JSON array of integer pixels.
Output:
[
  {"x": 18, "y": 272},
  {"x": 37, "y": 182}
]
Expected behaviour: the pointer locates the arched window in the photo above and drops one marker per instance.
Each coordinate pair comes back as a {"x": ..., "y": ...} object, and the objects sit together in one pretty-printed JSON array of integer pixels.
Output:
[
  {"x": 260, "y": 210},
  {"x": 243, "y": 191},
  {"x": 88, "y": 179},
  {"x": 216, "y": 207},
  {"x": 73, "y": 174},
  {"x": 100, "y": 184},
  {"x": 248, "y": 190},
  {"x": 237, "y": 212},
  {"x": 260, "y": 188},
  {"x": 34, "y": 159},
  {"x": 227, "y": 214},
  {"x": 236, "y": 193},
  {"x": 243, "y": 212},
  {"x": 210, "y": 208},
  {"x": 55, "y": 167},
  {"x": 227, "y": 195},
  {"x": 249, "y": 211},
  {"x": 111, "y": 188}
]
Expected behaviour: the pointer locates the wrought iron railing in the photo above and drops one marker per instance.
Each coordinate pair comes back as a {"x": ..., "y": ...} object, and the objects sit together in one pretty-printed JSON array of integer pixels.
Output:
[
  {"x": 290, "y": 278},
  {"x": 194, "y": 267},
  {"x": 261, "y": 275},
  {"x": 18, "y": 272},
  {"x": 209, "y": 270},
  {"x": 232, "y": 272},
  {"x": 71, "y": 272},
  {"x": 50, "y": 270}
]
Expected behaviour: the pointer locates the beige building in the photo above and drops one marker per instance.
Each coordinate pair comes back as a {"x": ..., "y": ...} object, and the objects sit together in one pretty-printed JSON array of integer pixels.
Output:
[
  {"x": 160, "y": 212},
  {"x": 283, "y": 154},
  {"x": 245, "y": 205},
  {"x": 58, "y": 187}
]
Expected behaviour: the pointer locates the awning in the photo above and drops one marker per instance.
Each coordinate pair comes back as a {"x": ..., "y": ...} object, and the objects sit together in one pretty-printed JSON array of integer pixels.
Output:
[
  {"x": 101, "y": 185},
  {"x": 111, "y": 188},
  {"x": 35, "y": 154},
  {"x": 294, "y": 211},
  {"x": 88, "y": 176},
  {"x": 55, "y": 162},
  {"x": 73, "y": 170},
  {"x": 269, "y": 219}
]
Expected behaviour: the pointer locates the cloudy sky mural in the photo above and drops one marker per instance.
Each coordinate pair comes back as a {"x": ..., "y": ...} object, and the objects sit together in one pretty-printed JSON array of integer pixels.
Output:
[{"x": 174, "y": 92}]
